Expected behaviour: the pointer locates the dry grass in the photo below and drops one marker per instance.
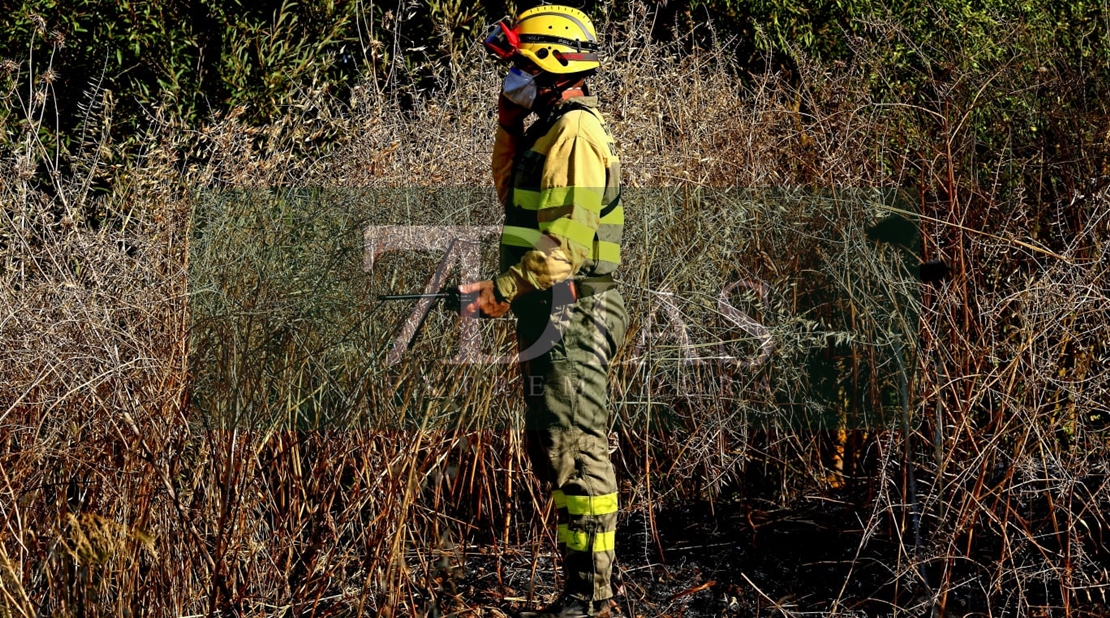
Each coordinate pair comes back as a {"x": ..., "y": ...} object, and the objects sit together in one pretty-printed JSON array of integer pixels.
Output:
[{"x": 987, "y": 474}]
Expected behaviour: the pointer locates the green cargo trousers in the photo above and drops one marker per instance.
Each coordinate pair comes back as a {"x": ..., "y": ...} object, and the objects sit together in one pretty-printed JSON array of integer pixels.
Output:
[{"x": 565, "y": 349}]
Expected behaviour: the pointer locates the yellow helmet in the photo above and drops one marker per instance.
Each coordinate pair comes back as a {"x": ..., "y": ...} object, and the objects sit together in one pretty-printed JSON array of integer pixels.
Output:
[{"x": 559, "y": 39}]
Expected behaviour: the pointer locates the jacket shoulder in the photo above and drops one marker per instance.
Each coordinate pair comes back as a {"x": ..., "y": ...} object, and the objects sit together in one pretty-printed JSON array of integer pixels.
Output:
[
  {"x": 580, "y": 122},
  {"x": 580, "y": 117}
]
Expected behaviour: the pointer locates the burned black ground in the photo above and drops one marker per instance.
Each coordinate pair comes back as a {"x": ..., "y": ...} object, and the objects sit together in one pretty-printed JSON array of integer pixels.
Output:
[{"x": 737, "y": 559}]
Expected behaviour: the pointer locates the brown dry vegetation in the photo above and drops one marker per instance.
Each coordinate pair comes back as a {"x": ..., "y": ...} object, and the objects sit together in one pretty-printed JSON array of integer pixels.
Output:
[{"x": 118, "y": 497}]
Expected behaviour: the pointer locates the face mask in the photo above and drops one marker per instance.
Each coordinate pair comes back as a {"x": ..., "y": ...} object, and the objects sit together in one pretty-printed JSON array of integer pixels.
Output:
[{"x": 520, "y": 88}]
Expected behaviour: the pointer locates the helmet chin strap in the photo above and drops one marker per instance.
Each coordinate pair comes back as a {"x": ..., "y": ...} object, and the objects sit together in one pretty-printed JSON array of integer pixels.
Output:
[{"x": 552, "y": 94}]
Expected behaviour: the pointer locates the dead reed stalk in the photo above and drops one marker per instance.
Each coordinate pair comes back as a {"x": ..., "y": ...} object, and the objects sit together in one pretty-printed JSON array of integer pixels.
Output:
[{"x": 197, "y": 419}]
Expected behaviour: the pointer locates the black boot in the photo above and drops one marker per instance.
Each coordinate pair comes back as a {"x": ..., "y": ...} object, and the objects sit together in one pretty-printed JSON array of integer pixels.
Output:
[{"x": 567, "y": 606}]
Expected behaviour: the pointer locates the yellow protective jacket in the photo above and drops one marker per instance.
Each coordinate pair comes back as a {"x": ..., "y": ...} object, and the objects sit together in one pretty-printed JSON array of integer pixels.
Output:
[{"x": 560, "y": 186}]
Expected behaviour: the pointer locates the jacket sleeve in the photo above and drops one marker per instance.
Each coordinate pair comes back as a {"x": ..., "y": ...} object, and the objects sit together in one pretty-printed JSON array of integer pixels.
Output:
[
  {"x": 505, "y": 146},
  {"x": 568, "y": 209}
]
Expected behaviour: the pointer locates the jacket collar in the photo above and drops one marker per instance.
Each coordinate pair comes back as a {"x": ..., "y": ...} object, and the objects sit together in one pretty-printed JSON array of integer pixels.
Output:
[{"x": 566, "y": 105}]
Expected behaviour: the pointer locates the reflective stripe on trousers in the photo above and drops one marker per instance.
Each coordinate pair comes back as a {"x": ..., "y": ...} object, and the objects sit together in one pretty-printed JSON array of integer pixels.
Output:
[{"x": 567, "y": 428}]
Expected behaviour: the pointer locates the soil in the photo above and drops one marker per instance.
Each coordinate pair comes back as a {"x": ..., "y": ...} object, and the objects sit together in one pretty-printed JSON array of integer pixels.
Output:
[
  {"x": 719, "y": 560},
  {"x": 736, "y": 560}
]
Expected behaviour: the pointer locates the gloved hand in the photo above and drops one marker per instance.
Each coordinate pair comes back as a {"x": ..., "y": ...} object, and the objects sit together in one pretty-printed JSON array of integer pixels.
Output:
[
  {"x": 510, "y": 115},
  {"x": 479, "y": 299}
]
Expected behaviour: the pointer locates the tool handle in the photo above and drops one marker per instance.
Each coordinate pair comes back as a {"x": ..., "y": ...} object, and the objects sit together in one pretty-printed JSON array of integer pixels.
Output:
[
  {"x": 412, "y": 296},
  {"x": 450, "y": 297}
]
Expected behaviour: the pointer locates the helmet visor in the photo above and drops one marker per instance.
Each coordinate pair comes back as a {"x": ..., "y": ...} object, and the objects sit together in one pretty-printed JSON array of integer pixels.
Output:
[{"x": 502, "y": 41}]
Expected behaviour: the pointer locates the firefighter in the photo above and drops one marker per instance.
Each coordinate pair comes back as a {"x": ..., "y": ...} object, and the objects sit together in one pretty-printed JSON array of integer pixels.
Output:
[{"x": 559, "y": 182}]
